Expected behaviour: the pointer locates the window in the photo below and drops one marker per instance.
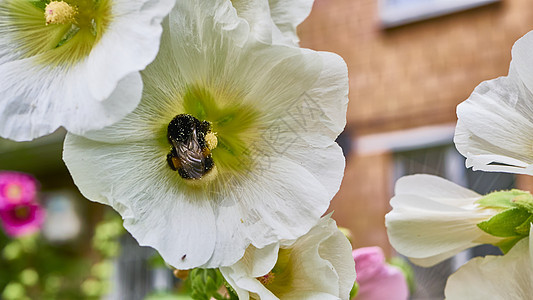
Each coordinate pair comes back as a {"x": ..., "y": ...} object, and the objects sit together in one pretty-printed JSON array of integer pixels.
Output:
[{"x": 399, "y": 12}]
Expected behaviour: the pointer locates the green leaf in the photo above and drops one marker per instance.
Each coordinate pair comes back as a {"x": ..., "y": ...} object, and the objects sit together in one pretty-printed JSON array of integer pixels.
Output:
[
  {"x": 205, "y": 283},
  {"x": 505, "y": 223},
  {"x": 523, "y": 229},
  {"x": 355, "y": 289},
  {"x": 231, "y": 292},
  {"x": 506, "y": 244},
  {"x": 524, "y": 201},
  {"x": 503, "y": 199}
]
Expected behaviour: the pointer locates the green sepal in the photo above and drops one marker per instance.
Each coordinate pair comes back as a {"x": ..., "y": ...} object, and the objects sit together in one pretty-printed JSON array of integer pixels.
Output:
[
  {"x": 232, "y": 294},
  {"x": 506, "y": 244},
  {"x": 506, "y": 223},
  {"x": 524, "y": 201},
  {"x": 355, "y": 289},
  {"x": 407, "y": 271},
  {"x": 205, "y": 283},
  {"x": 504, "y": 199},
  {"x": 40, "y": 4},
  {"x": 523, "y": 229}
]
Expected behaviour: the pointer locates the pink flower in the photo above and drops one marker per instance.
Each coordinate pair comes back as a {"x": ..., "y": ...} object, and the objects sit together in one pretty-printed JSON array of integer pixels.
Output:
[
  {"x": 22, "y": 219},
  {"x": 20, "y": 214},
  {"x": 16, "y": 188},
  {"x": 376, "y": 279}
]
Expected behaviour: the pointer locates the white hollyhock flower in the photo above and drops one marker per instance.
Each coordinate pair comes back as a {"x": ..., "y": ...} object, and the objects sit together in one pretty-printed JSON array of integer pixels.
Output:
[
  {"x": 248, "y": 127},
  {"x": 318, "y": 265},
  {"x": 73, "y": 63},
  {"x": 495, "y": 123},
  {"x": 274, "y": 21},
  {"x": 495, "y": 277},
  {"x": 433, "y": 219}
]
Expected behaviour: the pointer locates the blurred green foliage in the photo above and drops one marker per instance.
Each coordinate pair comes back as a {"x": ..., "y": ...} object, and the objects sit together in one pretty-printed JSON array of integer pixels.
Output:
[{"x": 33, "y": 268}]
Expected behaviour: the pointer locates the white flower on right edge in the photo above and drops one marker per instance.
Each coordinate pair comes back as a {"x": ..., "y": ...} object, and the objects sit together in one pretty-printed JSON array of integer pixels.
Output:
[
  {"x": 318, "y": 265},
  {"x": 433, "y": 219},
  {"x": 495, "y": 123},
  {"x": 506, "y": 277}
]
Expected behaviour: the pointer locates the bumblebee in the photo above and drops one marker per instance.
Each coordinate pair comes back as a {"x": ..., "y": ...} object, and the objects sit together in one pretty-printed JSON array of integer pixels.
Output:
[{"x": 189, "y": 154}]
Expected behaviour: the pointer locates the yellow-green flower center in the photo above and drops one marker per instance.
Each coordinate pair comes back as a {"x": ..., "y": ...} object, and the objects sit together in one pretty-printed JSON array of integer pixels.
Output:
[
  {"x": 280, "y": 278},
  {"x": 230, "y": 142},
  {"x": 59, "y": 33}
]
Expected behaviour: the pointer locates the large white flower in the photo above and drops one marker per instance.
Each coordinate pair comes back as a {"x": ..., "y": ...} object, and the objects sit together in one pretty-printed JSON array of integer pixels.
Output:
[
  {"x": 433, "y": 219},
  {"x": 318, "y": 265},
  {"x": 508, "y": 277},
  {"x": 73, "y": 63},
  {"x": 274, "y": 20},
  {"x": 248, "y": 127},
  {"x": 495, "y": 123}
]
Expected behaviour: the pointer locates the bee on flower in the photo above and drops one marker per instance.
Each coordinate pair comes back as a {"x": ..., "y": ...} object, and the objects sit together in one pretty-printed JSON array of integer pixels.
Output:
[{"x": 232, "y": 145}]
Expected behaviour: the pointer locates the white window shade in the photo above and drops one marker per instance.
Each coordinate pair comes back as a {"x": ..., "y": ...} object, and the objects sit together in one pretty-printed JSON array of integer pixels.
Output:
[{"x": 399, "y": 12}]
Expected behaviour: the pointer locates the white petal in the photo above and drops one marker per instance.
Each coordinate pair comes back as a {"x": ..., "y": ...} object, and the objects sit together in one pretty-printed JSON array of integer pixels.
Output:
[
  {"x": 523, "y": 61},
  {"x": 335, "y": 249},
  {"x": 135, "y": 182},
  {"x": 436, "y": 188},
  {"x": 95, "y": 92},
  {"x": 129, "y": 44},
  {"x": 267, "y": 208},
  {"x": 274, "y": 21},
  {"x": 321, "y": 266},
  {"x": 257, "y": 14},
  {"x": 433, "y": 219},
  {"x": 494, "y": 277},
  {"x": 288, "y": 14},
  {"x": 316, "y": 271},
  {"x": 321, "y": 111},
  {"x": 493, "y": 130},
  {"x": 255, "y": 263},
  {"x": 57, "y": 99}
]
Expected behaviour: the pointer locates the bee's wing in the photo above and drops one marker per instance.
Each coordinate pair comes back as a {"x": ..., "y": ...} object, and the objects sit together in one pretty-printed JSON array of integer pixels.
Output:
[{"x": 191, "y": 156}]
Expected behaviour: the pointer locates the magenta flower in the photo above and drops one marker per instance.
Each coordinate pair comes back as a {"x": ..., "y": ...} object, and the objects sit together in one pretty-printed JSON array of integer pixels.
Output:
[
  {"x": 22, "y": 219},
  {"x": 20, "y": 214},
  {"x": 376, "y": 279},
  {"x": 16, "y": 188}
]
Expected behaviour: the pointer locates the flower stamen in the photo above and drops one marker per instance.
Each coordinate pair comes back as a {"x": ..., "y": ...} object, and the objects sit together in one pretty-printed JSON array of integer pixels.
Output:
[
  {"x": 59, "y": 12},
  {"x": 266, "y": 279}
]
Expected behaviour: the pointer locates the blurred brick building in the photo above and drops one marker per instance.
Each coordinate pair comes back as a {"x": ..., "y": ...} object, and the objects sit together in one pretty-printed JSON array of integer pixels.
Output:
[{"x": 405, "y": 82}]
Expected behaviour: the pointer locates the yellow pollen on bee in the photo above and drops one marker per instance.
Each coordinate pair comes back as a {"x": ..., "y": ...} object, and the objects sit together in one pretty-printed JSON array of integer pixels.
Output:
[
  {"x": 59, "y": 12},
  {"x": 211, "y": 140}
]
